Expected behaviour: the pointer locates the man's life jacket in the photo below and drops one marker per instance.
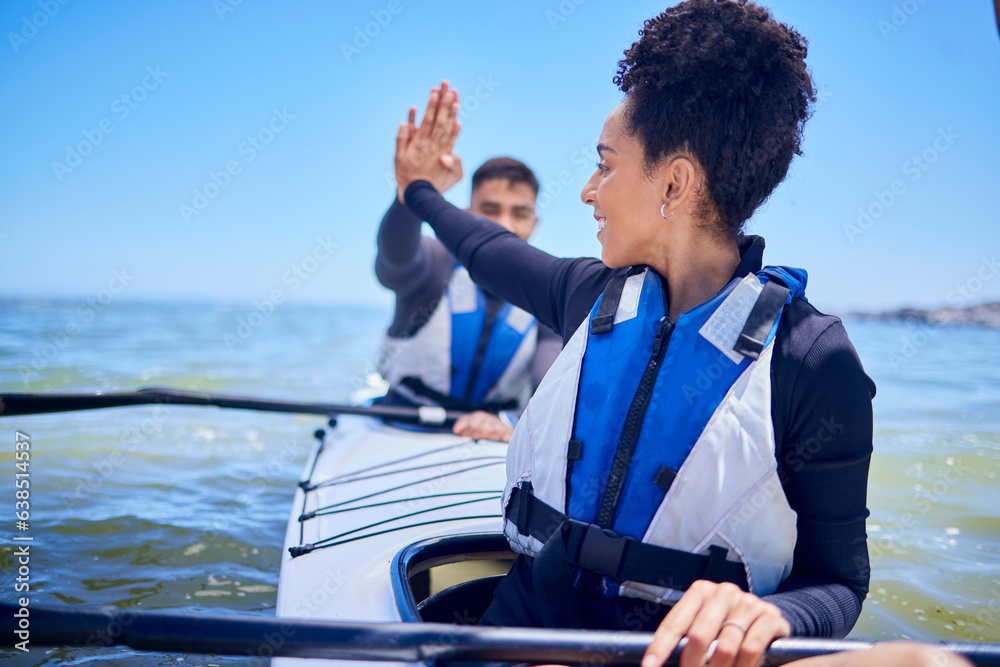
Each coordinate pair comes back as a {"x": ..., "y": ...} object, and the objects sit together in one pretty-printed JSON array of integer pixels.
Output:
[
  {"x": 471, "y": 353},
  {"x": 646, "y": 457}
]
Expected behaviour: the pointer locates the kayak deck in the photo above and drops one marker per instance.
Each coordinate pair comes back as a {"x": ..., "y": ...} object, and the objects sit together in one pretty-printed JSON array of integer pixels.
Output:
[{"x": 369, "y": 492}]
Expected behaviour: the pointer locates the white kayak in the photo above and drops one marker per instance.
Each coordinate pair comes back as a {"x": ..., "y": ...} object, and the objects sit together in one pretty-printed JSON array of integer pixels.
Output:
[{"x": 378, "y": 518}]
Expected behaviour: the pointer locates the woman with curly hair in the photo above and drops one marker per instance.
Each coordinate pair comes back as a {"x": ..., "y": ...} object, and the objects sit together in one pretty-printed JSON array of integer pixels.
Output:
[{"x": 696, "y": 459}]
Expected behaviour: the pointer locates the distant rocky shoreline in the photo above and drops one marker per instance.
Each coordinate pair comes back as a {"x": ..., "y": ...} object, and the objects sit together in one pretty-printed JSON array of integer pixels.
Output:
[{"x": 983, "y": 315}]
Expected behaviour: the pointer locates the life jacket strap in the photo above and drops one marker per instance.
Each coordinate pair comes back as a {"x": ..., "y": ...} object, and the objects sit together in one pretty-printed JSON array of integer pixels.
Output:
[
  {"x": 762, "y": 317},
  {"x": 604, "y": 320},
  {"x": 492, "y": 309},
  {"x": 600, "y": 550}
]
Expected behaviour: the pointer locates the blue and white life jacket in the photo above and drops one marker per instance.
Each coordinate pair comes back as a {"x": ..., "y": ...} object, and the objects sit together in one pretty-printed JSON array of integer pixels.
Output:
[
  {"x": 462, "y": 358},
  {"x": 648, "y": 449}
]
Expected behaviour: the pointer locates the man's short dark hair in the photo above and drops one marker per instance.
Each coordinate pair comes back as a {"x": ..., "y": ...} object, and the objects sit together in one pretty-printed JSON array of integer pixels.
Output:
[
  {"x": 724, "y": 82},
  {"x": 506, "y": 168}
]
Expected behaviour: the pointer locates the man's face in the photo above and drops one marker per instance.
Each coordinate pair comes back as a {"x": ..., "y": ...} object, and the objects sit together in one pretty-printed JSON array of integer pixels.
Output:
[{"x": 511, "y": 205}]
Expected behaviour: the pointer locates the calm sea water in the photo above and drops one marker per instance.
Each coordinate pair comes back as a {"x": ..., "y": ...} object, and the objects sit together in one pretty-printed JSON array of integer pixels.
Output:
[{"x": 184, "y": 508}]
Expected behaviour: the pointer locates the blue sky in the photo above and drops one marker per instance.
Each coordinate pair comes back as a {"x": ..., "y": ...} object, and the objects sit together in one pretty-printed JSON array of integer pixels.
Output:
[{"x": 117, "y": 115}]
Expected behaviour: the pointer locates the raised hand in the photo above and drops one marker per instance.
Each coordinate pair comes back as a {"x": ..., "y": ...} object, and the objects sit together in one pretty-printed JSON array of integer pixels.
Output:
[{"x": 425, "y": 152}]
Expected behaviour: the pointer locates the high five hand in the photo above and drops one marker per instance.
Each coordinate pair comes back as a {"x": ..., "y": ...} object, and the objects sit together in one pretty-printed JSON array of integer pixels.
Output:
[{"x": 425, "y": 152}]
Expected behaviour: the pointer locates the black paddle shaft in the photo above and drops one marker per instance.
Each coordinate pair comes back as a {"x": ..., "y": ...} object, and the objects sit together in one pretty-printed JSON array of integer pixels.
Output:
[
  {"x": 31, "y": 404},
  {"x": 99, "y": 627}
]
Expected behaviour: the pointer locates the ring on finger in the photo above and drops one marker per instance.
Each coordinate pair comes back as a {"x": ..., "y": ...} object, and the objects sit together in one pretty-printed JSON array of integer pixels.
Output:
[{"x": 736, "y": 625}]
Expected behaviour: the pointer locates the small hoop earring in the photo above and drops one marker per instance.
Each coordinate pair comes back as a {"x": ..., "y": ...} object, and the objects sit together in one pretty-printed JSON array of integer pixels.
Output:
[{"x": 665, "y": 217}]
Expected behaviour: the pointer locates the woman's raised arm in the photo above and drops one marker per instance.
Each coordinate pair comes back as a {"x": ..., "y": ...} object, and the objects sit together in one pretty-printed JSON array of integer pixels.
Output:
[{"x": 558, "y": 292}]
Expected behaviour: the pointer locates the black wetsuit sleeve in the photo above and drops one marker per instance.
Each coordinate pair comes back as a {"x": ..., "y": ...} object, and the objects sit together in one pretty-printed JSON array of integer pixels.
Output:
[
  {"x": 558, "y": 292},
  {"x": 415, "y": 267},
  {"x": 823, "y": 413}
]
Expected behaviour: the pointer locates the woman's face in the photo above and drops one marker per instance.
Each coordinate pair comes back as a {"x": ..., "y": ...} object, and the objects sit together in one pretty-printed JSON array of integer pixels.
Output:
[{"x": 626, "y": 201}]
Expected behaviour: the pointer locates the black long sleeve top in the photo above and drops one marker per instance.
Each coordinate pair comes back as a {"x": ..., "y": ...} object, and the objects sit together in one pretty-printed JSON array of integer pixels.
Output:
[{"x": 821, "y": 403}]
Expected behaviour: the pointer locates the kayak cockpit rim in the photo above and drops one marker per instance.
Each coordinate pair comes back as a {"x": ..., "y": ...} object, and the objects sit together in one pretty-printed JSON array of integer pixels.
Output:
[{"x": 410, "y": 581}]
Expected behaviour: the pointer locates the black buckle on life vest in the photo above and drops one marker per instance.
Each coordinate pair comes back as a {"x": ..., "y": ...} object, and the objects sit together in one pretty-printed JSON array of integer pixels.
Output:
[{"x": 594, "y": 548}]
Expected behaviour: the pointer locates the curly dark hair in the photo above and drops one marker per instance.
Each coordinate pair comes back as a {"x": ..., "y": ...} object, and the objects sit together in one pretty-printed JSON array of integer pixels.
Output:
[
  {"x": 724, "y": 82},
  {"x": 513, "y": 170}
]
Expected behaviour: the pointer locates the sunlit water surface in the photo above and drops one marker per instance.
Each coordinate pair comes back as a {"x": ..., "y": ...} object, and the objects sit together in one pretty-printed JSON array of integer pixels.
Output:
[{"x": 184, "y": 508}]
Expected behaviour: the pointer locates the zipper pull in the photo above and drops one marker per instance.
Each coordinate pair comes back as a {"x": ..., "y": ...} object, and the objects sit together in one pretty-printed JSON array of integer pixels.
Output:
[{"x": 663, "y": 330}]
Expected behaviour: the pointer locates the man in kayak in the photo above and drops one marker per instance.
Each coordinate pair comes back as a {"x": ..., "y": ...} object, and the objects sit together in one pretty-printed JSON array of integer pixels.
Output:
[{"x": 451, "y": 343}]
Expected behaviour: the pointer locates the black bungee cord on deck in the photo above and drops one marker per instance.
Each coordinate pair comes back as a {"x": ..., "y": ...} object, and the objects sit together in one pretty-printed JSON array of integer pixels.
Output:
[
  {"x": 335, "y": 540},
  {"x": 340, "y": 480},
  {"x": 308, "y": 487},
  {"x": 409, "y": 484},
  {"x": 308, "y": 548},
  {"x": 328, "y": 510},
  {"x": 386, "y": 463}
]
